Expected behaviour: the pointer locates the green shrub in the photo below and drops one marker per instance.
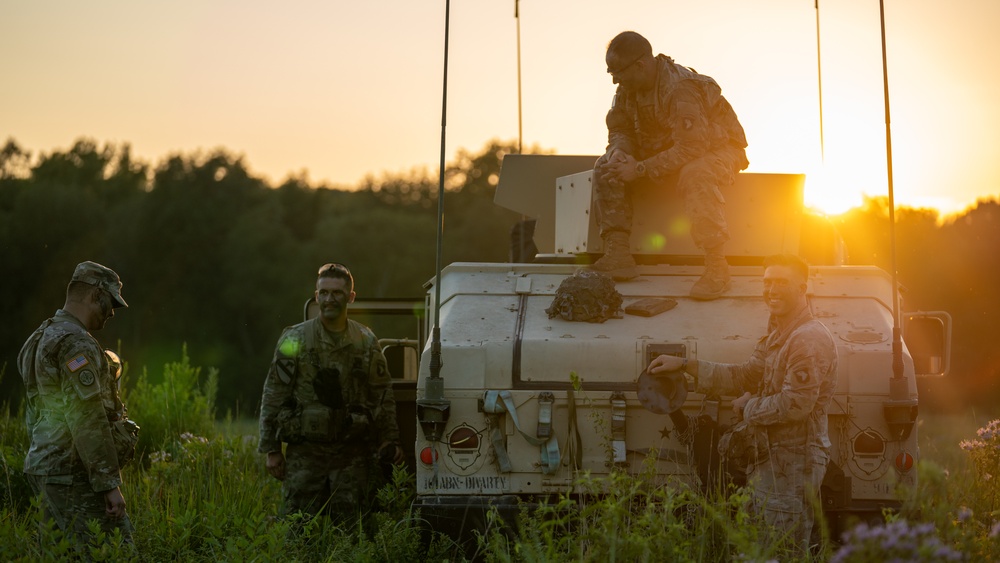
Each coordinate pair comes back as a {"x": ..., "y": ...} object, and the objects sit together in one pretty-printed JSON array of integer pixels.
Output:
[
  {"x": 180, "y": 403},
  {"x": 15, "y": 491}
]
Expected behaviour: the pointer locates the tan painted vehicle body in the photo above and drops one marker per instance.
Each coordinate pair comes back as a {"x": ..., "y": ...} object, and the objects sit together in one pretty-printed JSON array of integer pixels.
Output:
[{"x": 535, "y": 401}]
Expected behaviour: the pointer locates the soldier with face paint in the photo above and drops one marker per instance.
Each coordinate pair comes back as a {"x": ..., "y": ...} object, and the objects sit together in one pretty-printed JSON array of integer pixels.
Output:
[
  {"x": 783, "y": 391},
  {"x": 72, "y": 408},
  {"x": 328, "y": 396}
]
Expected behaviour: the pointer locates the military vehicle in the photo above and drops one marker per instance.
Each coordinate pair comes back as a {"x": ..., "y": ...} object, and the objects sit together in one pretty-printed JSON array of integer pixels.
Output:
[{"x": 523, "y": 402}]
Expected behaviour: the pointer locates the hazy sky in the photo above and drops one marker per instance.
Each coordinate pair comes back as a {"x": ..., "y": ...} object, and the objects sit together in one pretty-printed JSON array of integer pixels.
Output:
[{"x": 340, "y": 90}]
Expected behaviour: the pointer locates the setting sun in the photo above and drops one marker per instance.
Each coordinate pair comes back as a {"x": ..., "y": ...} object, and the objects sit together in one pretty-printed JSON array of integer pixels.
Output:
[{"x": 830, "y": 192}]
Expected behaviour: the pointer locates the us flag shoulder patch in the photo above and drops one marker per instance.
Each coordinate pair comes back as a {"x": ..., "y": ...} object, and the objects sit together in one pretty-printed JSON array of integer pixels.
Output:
[{"x": 77, "y": 363}]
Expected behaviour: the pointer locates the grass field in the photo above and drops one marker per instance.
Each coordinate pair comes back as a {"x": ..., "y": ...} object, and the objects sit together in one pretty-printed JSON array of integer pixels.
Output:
[{"x": 200, "y": 493}]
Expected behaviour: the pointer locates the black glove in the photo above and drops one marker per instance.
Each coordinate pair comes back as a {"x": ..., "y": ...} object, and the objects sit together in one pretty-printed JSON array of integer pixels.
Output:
[{"x": 387, "y": 454}]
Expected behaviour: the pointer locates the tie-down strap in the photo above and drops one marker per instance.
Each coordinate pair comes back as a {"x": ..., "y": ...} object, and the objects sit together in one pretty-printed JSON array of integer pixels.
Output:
[{"x": 496, "y": 403}]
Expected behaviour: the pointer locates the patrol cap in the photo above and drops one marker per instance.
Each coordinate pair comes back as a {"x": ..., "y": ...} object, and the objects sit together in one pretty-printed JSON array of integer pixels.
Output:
[
  {"x": 663, "y": 393},
  {"x": 103, "y": 277}
]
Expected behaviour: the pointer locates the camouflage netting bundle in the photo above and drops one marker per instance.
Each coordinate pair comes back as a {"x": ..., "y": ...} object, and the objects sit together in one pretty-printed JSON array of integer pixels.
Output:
[{"x": 586, "y": 296}]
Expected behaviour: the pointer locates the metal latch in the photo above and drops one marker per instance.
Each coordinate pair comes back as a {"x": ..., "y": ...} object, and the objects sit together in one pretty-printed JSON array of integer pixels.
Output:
[{"x": 545, "y": 402}]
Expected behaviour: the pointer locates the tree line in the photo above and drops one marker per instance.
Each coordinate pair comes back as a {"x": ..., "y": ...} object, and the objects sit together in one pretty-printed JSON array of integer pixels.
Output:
[{"x": 220, "y": 260}]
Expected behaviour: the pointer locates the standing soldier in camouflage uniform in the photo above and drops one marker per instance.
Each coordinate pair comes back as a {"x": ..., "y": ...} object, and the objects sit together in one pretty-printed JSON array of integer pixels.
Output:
[
  {"x": 786, "y": 386},
  {"x": 328, "y": 395},
  {"x": 669, "y": 126},
  {"x": 73, "y": 410}
]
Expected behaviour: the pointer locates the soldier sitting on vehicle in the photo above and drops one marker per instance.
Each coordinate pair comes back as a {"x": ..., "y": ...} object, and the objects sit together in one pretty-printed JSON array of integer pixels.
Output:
[{"x": 669, "y": 126}]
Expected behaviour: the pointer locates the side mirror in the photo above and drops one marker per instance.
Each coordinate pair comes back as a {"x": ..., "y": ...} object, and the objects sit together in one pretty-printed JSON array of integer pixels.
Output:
[{"x": 928, "y": 337}]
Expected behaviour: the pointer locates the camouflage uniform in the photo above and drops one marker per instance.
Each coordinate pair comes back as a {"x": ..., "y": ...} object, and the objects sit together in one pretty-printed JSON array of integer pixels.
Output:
[
  {"x": 792, "y": 375},
  {"x": 330, "y": 398},
  {"x": 72, "y": 401},
  {"x": 685, "y": 132}
]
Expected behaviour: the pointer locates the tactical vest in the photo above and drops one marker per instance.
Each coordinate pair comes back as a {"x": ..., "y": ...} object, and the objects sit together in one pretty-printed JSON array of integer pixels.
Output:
[{"x": 337, "y": 409}]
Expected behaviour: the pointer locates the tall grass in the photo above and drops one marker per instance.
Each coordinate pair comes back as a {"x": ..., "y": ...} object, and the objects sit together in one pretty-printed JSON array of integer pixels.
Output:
[{"x": 199, "y": 492}]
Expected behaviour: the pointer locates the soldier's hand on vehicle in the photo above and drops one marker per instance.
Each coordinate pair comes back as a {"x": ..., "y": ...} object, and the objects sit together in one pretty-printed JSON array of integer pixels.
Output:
[
  {"x": 740, "y": 403},
  {"x": 276, "y": 465},
  {"x": 665, "y": 363},
  {"x": 114, "y": 504}
]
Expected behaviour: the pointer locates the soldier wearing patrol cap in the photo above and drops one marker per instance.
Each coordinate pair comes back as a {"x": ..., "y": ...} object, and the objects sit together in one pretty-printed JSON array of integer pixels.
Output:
[
  {"x": 73, "y": 407},
  {"x": 328, "y": 396}
]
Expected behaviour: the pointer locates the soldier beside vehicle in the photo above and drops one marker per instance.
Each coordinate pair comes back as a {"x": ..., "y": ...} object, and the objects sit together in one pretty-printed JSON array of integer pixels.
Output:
[
  {"x": 784, "y": 390},
  {"x": 328, "y": 396}
]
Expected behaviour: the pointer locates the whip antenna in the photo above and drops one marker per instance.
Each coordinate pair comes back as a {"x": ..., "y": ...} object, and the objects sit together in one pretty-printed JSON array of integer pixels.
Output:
[{"x": 433, "y": 409}]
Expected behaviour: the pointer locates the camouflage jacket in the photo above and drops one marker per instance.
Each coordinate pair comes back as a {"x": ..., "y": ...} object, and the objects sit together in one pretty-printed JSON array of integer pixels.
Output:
[
  {"x": 792, "y": 375},
  {"x": 70, "y": 395},
  {"x": 313, "y": 368},
  {"x": 683, "y": 118}
]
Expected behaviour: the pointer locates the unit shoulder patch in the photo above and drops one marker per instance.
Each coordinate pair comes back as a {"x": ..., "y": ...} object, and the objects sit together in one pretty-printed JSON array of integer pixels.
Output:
[
  {"x": 802, "y": 376},
  {"x": 285, "y": 369},
  {"x": 86, "y": 377}
]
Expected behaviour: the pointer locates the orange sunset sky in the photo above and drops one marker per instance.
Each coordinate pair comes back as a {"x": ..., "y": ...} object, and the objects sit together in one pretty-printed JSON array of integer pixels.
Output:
[{"x": 339, "y": 90}]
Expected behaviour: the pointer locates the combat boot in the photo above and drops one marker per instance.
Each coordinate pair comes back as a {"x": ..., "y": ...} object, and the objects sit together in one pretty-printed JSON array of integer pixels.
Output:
[
  {"x": 715, "y": 281},
  {"x": 617, "y": 260}
]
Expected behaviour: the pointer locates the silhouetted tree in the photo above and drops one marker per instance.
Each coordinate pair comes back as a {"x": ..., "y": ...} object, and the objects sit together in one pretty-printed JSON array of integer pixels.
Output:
[{"x": 216, "y": 258}]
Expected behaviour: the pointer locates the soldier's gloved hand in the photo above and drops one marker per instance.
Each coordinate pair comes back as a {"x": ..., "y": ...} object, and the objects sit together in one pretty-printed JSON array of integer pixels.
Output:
[
  {"x": 114, "y": 503},
  {"x": 276, "y": 465},
  {"x": 390, "y": 452}
]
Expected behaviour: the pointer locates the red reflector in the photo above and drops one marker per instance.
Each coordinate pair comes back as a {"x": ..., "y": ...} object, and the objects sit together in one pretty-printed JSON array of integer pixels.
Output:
[
  {"x": 904, "y": 462},
  {"x": 427, "y": 456}
]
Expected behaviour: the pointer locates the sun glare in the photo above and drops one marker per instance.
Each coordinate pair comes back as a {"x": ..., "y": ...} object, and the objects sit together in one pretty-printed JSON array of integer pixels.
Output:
[
  {"x": 833, "y": 193},
  {"x": 830, "y": 193}
]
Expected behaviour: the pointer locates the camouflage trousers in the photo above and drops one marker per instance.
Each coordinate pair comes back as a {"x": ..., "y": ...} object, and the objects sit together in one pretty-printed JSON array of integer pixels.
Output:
[
  {"x": 698, "y": 182},
  {"x": 333, "y": 479},
  {"x": 786, "y": 489},
  {"x": 70, "y": 502}
]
